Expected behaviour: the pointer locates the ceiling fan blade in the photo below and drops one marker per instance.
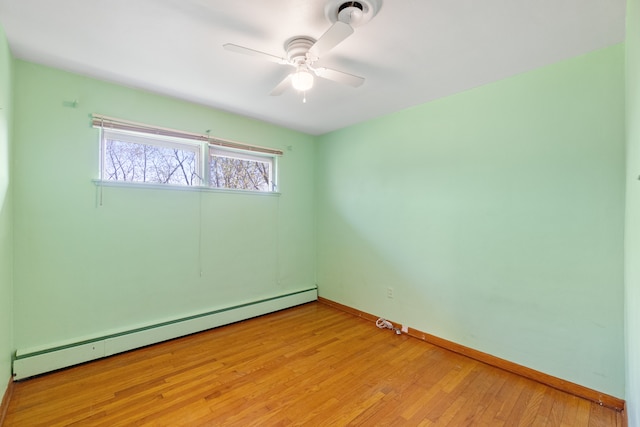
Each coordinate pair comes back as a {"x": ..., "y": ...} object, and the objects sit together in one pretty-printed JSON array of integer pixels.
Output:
[
  {"x": 282, "y": 86},
  {"x": 251, "y": 52},
  {"x": 331, "y": 38},
  {"x": 340, "y": 77}
]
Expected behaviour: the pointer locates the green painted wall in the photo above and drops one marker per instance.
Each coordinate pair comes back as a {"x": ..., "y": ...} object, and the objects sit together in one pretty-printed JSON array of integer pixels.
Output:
[
  {"x": 6, "y": 233},
  {"x": 145, "y": 255},
  {"x": 632, "y": 235},
  {"x": 496, "y": 215}
]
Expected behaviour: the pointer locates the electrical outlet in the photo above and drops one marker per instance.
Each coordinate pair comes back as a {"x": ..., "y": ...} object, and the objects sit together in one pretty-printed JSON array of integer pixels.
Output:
[{"x": 389, "y": 292}]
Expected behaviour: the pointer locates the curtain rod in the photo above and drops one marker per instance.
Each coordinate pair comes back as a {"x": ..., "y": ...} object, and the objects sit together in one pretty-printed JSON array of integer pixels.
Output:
[{"x": 106, "y": 122}]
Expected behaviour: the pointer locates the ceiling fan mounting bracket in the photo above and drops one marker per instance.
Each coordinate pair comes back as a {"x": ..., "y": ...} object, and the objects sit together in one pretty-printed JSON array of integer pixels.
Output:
[{"x": 354, "y": 13}]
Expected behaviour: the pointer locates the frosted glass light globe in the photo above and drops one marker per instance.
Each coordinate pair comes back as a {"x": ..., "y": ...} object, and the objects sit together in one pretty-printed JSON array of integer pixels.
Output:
[{"x": 302, "y": 80}]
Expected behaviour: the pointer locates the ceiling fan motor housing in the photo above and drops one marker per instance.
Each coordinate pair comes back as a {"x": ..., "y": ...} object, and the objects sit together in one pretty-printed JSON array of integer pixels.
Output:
[
  {"x": 297, "y": 49},
  {"x": 354, "y": 13}
]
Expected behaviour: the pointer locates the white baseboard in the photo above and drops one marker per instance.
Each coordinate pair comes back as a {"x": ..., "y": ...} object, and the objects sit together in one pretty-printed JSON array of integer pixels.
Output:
[{"x": 28, "y": 364}]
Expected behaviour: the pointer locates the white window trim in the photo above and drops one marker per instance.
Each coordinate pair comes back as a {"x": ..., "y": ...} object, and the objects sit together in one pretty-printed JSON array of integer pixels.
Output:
[
  {"x": 204, "y": 146},
  {"x": 157, "y": 141},
  {"x": 243, "y": 155},
  {"x": 199, "y": 188}
]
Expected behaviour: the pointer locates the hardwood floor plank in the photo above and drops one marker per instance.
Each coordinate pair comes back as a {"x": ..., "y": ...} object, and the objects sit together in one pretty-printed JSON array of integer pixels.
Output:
[
  {"x": 532, "y": 405},
  {"x": 544, "y": 415},
  {"x": 583, "y": 412},
  {"x": 480, "y": 394},
  {"x": 309, "y": 365},
  {"x": 570, "y": 412},
  {"x": 599, "y": 416}
]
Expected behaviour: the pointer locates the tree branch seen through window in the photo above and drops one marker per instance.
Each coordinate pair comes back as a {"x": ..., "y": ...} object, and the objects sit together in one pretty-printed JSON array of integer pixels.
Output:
[
  {"x": 229, "y": 172},
  {"x": 130, "y": 161},
  {"x": 148, "y": 158}
]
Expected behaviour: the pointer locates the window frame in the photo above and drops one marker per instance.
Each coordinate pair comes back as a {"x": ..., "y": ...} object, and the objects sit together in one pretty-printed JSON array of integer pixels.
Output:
[
  {"x": 270, "y": 159},
  {"x": 203, "y": 146},
  {"x": 132, "y": 137}
]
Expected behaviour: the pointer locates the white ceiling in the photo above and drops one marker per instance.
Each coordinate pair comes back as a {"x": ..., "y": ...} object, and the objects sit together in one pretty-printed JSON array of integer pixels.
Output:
[{"x": 413, "y": 51}]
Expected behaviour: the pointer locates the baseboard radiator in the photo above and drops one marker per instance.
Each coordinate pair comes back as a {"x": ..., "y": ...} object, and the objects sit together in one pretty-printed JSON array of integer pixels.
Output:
[{"x": 30, "y": 363}]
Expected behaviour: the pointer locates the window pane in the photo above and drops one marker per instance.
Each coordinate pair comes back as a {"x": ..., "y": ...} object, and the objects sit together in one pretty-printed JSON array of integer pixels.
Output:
[
  {"x": 129, "y": 156},
  {"x": 131, "y": 161},
  {"x": 244, "y": 174}
]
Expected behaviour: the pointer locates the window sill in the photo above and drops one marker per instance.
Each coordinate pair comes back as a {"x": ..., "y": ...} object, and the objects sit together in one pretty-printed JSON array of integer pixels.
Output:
[{"x": 200, "y": 188}]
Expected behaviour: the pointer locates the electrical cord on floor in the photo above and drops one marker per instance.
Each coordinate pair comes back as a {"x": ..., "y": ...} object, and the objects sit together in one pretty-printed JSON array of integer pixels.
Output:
[{"x": 385, "y": 324}]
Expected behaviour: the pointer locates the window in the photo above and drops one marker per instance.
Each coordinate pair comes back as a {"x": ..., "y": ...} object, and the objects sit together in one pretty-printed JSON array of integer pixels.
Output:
[
  {"x": 134, "y": 158},
  {"x": 132, "y": 152},
  {"x": 243, "y": 171}
]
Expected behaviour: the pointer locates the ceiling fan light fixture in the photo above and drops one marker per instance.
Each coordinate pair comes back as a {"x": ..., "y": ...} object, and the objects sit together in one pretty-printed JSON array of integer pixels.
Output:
[{"x": 302, "y": 80}]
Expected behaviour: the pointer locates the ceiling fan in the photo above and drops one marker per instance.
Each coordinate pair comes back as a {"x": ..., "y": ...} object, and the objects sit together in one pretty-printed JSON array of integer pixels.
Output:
[{"x": 302, "y": 52}]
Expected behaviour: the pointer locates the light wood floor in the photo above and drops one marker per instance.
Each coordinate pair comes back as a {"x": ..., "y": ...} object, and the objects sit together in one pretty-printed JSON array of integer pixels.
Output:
[{"x": 311, "y": 365}]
